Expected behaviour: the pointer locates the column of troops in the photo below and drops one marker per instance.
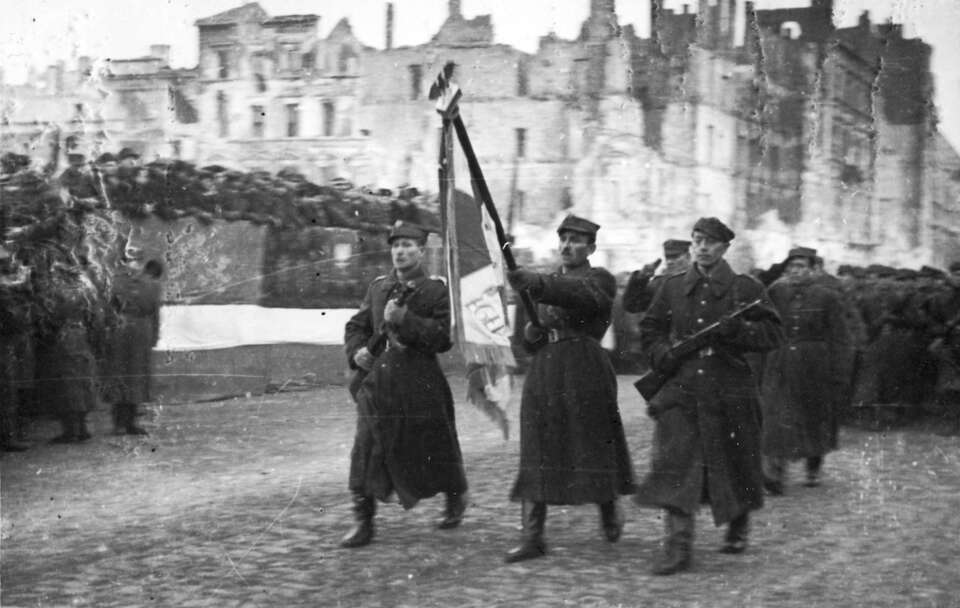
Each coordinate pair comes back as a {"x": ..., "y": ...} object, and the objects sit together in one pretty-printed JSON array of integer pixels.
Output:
[{"x": 747, "y": 374}]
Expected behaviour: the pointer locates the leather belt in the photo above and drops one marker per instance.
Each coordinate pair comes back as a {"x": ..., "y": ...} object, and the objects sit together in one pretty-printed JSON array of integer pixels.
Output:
[{"x": 558, "y": 335}]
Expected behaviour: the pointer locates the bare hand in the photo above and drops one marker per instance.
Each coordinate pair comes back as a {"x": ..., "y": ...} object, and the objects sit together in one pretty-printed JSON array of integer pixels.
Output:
[
  {"x": 363, "y": 358},
  {"x": 394, "y": 313}
]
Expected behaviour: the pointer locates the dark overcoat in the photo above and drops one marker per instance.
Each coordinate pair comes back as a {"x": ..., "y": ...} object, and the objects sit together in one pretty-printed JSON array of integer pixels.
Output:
[
  {"x": 65, "y": 363},
  {"x": 406, "y": 439},
  {"x": 943, "y": 310},
  {"x": 136, "y": 299},
  {"x": 804, "y": 378},
  {"x": 572, "y": 446},
  {"x": 707, "y": 437}
]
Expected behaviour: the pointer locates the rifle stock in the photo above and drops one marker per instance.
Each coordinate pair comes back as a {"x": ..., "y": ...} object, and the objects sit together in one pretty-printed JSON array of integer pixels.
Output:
[{"x": 650, "y": 383}]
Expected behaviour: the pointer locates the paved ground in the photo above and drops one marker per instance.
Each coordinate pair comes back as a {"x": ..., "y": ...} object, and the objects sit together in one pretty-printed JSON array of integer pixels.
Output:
[{"x": 241, "y": 503}]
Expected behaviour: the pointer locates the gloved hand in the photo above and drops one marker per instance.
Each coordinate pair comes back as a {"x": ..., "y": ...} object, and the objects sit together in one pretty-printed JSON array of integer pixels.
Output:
[
  {"x": 393, "y": 312},
  {"x": 363, "y": 358},
  {"x": 532, "y": 333},
  {"x": 524, "y": 280},
  {"x": 729, "y": 326}
]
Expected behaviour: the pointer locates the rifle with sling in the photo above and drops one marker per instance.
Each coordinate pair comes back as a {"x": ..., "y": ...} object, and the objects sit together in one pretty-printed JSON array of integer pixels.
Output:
[
  {"x": 651, "y": 382},
  {"x": 377, "y": 343}
]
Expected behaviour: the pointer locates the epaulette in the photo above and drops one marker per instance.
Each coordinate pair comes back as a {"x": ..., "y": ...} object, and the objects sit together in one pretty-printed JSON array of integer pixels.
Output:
[
  {"x": 380, "y": 278},
  {"x": 438, "y": 277}
]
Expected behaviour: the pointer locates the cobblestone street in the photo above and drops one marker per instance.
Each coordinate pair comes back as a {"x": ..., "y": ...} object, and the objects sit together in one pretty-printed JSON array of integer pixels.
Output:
[{"x": 242, "y": 503}]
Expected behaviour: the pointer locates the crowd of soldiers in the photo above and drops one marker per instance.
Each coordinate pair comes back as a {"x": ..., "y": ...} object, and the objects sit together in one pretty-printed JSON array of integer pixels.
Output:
[
  {"x": 746, "y": 374},
  {"x": 78, "y": 305},
  {"x": 900, "y": 329},
  {"x": 172, "y": 189}
]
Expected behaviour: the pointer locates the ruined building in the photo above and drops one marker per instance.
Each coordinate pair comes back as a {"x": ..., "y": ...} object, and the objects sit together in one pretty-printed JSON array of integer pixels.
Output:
[{"x": 794, "y": 131}]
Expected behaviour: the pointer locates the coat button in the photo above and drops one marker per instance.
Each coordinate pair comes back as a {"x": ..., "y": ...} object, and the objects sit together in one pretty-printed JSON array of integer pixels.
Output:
[
  {"x": 700, "y": 371},
  {"x": 699, "y": 320}
]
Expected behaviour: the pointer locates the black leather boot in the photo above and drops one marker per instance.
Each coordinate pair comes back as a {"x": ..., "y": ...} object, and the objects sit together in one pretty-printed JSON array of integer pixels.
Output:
[
  {"x": 453, "y": 511},
  {"x": 130, "y": 419},
  {"x": 814, "y": 464},
  {"x": 678, "y": 546},
  {"x": 738, "y": 530},
  {"x": 364, "y": 508},
  {"x": 68, "y": 425},
  {"x": 534, "y": 515},
  {"x": 80, "y": 422},
  {"x": 611, "y": 520}
]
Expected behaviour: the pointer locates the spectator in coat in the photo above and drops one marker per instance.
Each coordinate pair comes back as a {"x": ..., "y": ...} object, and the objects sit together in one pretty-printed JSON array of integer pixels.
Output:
[
  {"x": 803, "y": 379},
  {"x": 707, "y": 436},
  {"x": 136, "y": 300},
  {"x": 572, "y": 446},
  {"x": 406, "y": 441}
]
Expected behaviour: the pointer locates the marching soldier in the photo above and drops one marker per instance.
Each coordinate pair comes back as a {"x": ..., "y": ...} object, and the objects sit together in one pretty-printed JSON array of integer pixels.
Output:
[
  {"x": 707, "y": 436},
  {"x": 406, "y": 441},
  {"x": 572, "y": 445},
  {"x": 643, "y": 285},
  {"x": 803, "y": 379}
]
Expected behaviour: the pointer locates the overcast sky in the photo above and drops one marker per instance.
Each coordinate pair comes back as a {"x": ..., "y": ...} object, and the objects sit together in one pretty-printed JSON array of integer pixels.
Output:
[{"x": 40, "y": 32}]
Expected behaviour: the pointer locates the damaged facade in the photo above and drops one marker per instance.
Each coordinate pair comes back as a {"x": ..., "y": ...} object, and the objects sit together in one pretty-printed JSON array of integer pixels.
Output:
[{"x": 796, "y": 132}]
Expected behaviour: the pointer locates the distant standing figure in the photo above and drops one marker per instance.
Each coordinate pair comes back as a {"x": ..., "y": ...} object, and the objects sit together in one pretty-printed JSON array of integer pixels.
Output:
[{"x": 136, "y": 299}]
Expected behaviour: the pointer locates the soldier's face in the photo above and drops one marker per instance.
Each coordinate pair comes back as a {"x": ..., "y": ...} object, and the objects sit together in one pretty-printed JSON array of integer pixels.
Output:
[
  {"x": 707, "y": 251},
  {"x": 406, "y": 253},
  {"x": 798, "y": 268},
  {"x": 676, "y": 263},
  {"x": 575, "y": 248}
]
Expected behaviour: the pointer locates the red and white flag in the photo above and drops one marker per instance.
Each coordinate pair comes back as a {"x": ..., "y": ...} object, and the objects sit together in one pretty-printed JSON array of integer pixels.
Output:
[{"x": 476, "y": 281}]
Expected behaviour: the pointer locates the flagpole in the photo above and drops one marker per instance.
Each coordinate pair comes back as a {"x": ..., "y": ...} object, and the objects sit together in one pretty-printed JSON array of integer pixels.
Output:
[{"x": 447, "y": 95}]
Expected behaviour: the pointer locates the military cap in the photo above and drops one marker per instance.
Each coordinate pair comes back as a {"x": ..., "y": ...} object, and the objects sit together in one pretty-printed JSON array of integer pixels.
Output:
[
  {"x": 954, "y": 266},
  {"x": 75, "y": 157},
  {"x": 106, "y": 157},
  {"x": 675, "y": 247},
  {"x": 931, "y": 272},
  {"x": 406, "y": 230},
  {"x": 578, "y": 224},
  {"x": 127, "y": 153},
  {"x": 714, "y": 228},
  {"x": 801, "y": 252},
  {"x": 212, "y": 169}
]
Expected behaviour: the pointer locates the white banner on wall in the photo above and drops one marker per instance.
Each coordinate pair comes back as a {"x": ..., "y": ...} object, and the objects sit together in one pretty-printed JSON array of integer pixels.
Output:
[{"x": 208, "y": 327}]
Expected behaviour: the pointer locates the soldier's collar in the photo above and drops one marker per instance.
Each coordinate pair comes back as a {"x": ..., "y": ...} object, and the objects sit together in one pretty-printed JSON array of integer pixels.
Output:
[
  {"x": 416, "y": 274},
  {"x": 719, "y": 281}
]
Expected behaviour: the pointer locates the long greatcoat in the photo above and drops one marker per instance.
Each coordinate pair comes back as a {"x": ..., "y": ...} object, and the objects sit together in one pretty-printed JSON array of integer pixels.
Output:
[
  {"x": 65, "y": 363},
  {"x": 804, "y": 378},
  {"x": 137, "y": 300},
  {"x": 707, "y": 437},
  {"x": 406, "y": 439},
  {"x": 572, "y": 446}
]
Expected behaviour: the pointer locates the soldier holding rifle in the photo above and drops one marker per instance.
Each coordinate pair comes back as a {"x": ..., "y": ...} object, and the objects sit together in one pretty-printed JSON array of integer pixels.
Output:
[
  {"x": 406, "y": 442},
  {"x": 707, "y": 437}
]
